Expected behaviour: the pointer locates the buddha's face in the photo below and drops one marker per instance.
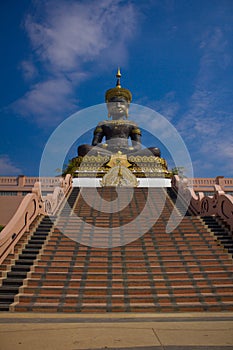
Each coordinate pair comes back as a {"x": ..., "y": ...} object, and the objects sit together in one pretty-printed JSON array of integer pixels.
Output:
[{"x": 118, "y": 107}]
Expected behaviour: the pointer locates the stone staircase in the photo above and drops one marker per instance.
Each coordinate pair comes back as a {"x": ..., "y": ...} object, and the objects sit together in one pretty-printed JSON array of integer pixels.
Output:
[
  {"x": 220, "y": 231},
  {"x": 17, "y": 272},
  {"x": 185, "y": 270}
]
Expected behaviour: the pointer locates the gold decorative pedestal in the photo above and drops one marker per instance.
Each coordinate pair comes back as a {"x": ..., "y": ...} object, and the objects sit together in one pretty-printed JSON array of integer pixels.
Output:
[
  {"x": 98, "y": 166},
  {"x": 119, "y": 176}
]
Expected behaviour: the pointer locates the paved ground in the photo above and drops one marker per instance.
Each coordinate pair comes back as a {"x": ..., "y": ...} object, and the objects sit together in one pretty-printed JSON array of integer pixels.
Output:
[{"x": 183, "y": 331}]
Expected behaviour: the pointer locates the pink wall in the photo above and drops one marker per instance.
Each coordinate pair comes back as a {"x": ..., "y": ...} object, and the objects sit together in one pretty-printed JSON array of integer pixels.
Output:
[
  {"x": 19, "y": 184},
  {"x": 8, "y": 206}
]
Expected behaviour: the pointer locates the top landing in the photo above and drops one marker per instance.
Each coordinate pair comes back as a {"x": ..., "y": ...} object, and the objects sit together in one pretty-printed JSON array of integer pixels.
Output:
[{"x": 142, "y": 182}]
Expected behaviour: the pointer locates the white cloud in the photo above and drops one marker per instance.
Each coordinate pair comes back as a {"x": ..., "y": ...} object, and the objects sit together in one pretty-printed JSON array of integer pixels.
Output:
[
  {"x": 66, "y": 36},
  {"x": 167, "y": 106},
  {"x": 29, "y": 70},
  {"x": 214, "y": 47},
  {"x": 72, "y": 33},
  {"x": 206, "y": 128},
  {"x": 214, "y": 158},
  {"x": 7, "y": 168},
  {"x": 45, "y": 102}
]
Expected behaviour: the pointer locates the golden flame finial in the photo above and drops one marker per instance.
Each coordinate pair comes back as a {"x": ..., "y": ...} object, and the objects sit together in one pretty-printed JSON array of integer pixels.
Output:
[{"x": 118, "y": 76}]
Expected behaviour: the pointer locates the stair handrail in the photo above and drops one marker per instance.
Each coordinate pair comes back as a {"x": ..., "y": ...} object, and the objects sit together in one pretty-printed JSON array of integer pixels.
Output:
[
  {"x": 31, "y": 206},
  {"x": 52, "y": 201},
  {"x": 27, "y": 211},
  {"x": 220, "y": 204}
]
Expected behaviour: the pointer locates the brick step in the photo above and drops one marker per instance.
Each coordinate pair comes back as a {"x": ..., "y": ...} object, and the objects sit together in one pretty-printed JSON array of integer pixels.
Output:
[
  {"x": 61, "y": 266},
  {"x": 140, "y": 299},
  {"x": 6, "y": 298},
  {"x": 38, "y": 240},
  {"x": 40, "y": 234},
  {"x": 56, "y": 268},
  {"x": 9, "y": 289},
  {"x": 150, "y": 240},
  {"x": 42, "y": 230},
  {"x": 158, "y": 228},
  {"x": 22, "y": 262},
  {"x": 131, "y": 212},
  {"x": 118, "y": 258},
  {"x": 27, "y": 251},
  {"x": 27, "y": 256},
  {"x": 4, "y": 307},
  {"x": 181, "y": 282},
  {"x": 119, "y": 281},
  {"x": 175, "y": 275},
  {"x": 161, "y": 301},
  {"x": 132, "y": 256},
  {"x": 23, "y": 268},
  {"x": 16, "y": 274},
  {"x": 77, "y": 220},
  {"x": 131, "y": 290},
  {"x": 13, "y": 282},
  {"x": 32, "y": 246},
  {"x": 3, "y": 267},
  {"x": 118, "y": 307},
  {"x": 161, "y": 237},
  {"x": 173, "y": 249},
  {"x": 66, "y": 247},
  {"x": 156, "y": 235},
  {"x": 131, "y": 268}
]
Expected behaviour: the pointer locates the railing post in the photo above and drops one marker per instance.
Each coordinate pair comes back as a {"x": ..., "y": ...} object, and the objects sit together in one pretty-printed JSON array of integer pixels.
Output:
[
  {"x": 220, "y": 181},
  {"x": 21, "y": 180}
]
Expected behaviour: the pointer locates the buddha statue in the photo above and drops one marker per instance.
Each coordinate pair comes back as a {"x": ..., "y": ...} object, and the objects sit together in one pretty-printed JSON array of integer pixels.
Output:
[{"x": 118, "y": 129}]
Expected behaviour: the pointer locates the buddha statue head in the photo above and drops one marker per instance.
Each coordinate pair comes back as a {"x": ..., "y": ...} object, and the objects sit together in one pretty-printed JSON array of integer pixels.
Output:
[{"x": 118, "y": 100}]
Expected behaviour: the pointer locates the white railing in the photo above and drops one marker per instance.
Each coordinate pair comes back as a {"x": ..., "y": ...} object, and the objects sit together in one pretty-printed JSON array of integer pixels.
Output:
[
  {"x": 31, "y": 206},
  {"x": 220, "y": 204}
]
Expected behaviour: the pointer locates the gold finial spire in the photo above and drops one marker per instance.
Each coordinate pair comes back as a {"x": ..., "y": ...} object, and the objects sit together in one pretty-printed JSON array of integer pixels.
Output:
[
  {"x": 118, "y": 90},
  {"x": 118, "y": 76}
]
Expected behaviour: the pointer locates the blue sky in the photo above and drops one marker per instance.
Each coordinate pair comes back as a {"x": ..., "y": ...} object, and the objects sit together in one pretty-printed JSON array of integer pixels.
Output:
[{"x": 60, "y": 56}]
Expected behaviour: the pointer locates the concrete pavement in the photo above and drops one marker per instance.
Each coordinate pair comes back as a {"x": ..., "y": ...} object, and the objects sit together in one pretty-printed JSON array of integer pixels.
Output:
[{"x": 175, "y": 331}]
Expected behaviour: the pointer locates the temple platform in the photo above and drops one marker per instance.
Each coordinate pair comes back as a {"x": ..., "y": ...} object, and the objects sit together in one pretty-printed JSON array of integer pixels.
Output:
[{"x": 142, "y": 182}]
